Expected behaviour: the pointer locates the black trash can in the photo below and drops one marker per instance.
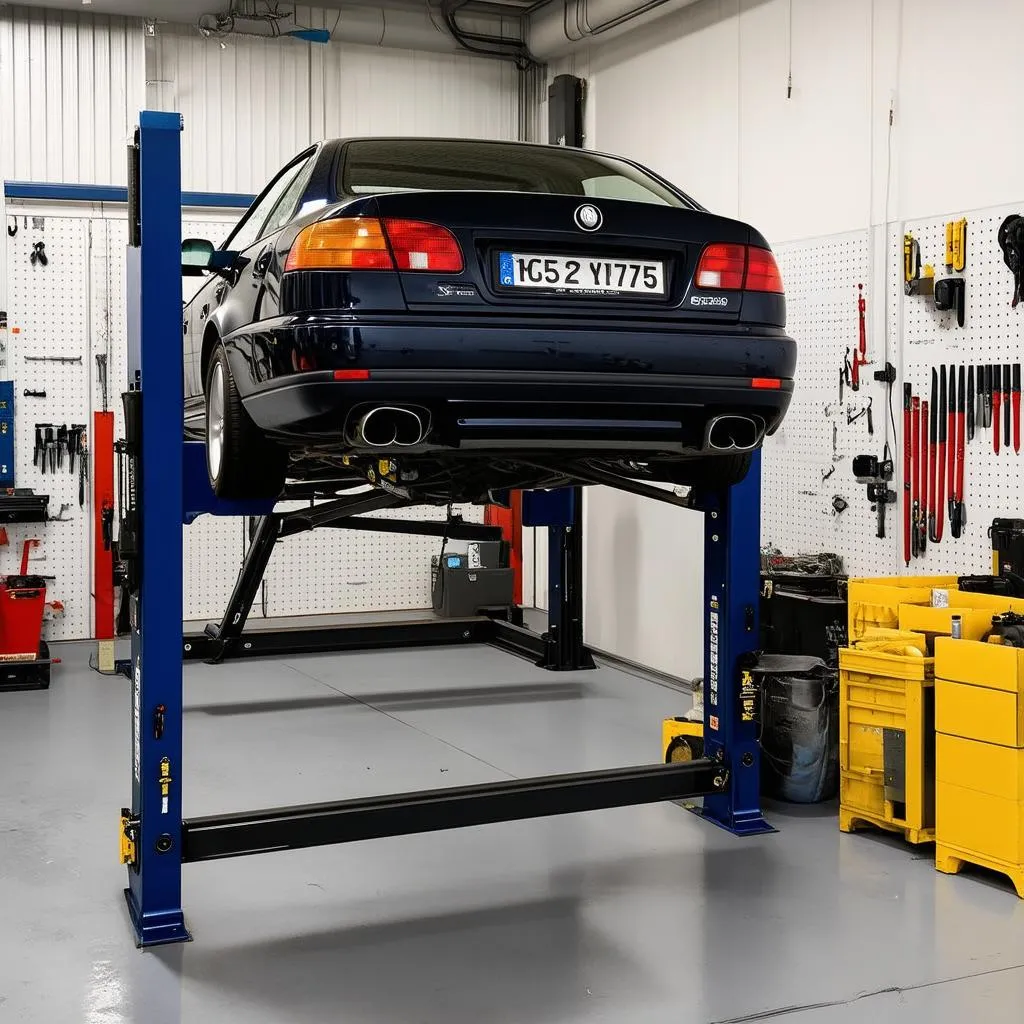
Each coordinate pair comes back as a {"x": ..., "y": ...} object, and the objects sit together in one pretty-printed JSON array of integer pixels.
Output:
[{"x": 799, "y": 728}]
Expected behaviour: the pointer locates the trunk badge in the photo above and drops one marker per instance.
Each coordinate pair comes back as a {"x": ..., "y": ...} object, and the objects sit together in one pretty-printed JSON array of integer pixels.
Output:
[{"x": 588, "y": 217}]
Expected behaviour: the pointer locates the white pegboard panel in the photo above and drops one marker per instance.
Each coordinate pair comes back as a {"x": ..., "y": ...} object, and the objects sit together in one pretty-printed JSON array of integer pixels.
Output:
[
  {"x": 354, "y": 570},
  {"x": 991, "y": 334},
  {"x": 822, "y": 277},
  {"x": 50, "y": 316}
]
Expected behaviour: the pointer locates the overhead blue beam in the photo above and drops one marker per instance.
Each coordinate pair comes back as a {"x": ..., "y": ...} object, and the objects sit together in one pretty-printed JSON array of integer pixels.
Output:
[{"x": 56, "y": 191}]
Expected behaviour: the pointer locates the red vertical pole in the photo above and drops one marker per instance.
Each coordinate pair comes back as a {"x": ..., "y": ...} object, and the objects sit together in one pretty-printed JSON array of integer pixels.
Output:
[
  {"x": 511, "y": 522},
  {"x": 101, "y": 452}
]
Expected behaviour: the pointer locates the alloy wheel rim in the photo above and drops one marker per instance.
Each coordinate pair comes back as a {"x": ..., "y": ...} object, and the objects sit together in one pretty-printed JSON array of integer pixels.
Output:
[{"x": 215, "y": 422}]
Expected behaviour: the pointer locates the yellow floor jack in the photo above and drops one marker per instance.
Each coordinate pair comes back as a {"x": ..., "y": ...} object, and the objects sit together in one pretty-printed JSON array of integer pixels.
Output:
[{"x": 682, "y": 738}]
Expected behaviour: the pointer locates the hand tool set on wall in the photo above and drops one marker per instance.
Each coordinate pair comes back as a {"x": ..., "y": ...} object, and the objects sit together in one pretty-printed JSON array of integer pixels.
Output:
[
  {"x": 965, "y": 400},
  {"x": 53, "y": 443}
]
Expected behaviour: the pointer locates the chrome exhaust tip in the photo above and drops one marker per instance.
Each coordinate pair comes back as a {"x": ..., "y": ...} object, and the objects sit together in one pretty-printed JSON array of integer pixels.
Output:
[
  {"x": 734, "y": 433},
  {"x": 388, "y": 426}
]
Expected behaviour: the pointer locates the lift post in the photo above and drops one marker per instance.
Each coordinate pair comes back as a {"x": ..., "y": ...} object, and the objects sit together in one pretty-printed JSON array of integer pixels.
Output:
[
  {"x": 732, "y": 580},
  {"x": 154, "y": 366},
  {"x": 155, "y": 839}
]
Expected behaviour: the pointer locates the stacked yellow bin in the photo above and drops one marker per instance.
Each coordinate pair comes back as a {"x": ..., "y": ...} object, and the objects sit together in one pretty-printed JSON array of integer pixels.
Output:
[
  {"x": 875, "y": 602},
  {"x": 886, "y": 735},
  {"x": 979, "y": 718}
]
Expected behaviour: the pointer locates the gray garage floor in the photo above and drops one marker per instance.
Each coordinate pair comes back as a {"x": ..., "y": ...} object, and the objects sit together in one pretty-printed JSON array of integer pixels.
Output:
[{"x": 635, "y": 915}]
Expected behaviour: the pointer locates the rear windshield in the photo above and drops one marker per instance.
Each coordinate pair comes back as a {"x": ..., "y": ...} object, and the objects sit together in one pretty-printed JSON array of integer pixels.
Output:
[{"x": 373, "y": 166}]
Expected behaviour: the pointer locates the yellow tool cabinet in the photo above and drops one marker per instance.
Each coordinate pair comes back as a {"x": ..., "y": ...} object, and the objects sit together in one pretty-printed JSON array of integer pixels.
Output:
[
  {"x": 979, "y": 771},
  {"x": 875, "y": 602},
  {"x": 886, "y": 742}
]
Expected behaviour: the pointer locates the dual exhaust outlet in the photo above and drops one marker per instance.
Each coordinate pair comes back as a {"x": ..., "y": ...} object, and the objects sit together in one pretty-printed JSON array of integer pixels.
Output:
[
  {"x": 390, "y": 426},
  {"x": 734, "y": 433}
]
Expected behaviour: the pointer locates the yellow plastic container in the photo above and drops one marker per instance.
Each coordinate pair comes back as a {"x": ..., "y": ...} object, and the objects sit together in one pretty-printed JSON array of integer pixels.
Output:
[
  {"x": 974, "y": 622},
  {"x": 875, "y": 601},
  {"x": 979, "y": 807},
  {"x": 887, "y": 743},
  {"x": 994, "y": 666},
  {"x": 992, "y": 603}
]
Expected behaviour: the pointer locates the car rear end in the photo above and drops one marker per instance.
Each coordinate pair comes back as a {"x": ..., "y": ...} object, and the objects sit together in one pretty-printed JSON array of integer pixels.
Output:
[{"x": 504, "y": 318}]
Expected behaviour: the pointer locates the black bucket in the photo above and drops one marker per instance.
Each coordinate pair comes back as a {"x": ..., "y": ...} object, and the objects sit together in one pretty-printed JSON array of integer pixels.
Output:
[{"x": 800, "y": 728}]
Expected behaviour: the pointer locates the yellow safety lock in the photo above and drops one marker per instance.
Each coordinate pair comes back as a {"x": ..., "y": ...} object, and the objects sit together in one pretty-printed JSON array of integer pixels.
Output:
[{"x": 128, "y": 835}]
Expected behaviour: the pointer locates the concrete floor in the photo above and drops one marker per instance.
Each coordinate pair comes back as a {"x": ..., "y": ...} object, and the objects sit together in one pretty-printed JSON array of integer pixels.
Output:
[{"x": 628, "y": 916}]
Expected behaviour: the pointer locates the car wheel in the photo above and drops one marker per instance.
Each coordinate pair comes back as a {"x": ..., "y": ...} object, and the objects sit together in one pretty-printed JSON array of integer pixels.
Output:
[
  {"x": 241, "y": 462},
  {"x": 708, "y": 471}
]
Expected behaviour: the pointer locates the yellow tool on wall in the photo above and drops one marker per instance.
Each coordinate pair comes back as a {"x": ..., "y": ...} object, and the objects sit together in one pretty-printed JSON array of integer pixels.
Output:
[{"x": 956, "y": 245}]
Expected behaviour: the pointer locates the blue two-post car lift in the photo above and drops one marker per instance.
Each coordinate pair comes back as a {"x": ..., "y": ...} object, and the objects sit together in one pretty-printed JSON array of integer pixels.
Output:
[{"x": 168, "y": 487}]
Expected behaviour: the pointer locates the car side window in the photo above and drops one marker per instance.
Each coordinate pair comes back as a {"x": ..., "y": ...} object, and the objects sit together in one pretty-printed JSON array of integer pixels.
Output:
[
  {"x": 251, "y": 229},
  {"x": 285, "y": 208}
]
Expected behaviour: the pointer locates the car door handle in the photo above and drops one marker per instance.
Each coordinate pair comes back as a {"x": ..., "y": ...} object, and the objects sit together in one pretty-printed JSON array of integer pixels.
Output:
[
  {"x": 184, "y": 328},
  {"x": 262, "y": 263}
]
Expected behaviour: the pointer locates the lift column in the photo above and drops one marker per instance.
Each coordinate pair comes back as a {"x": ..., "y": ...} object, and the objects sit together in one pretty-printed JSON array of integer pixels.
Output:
[
  {"x": 732, "y": 584},
  {"x": 152, "y": 826}
]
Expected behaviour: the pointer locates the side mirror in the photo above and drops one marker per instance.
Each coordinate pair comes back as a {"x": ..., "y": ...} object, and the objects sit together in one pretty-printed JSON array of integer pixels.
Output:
[
  {"x": 199, "y": 254},
  {"x": 196, "y": 254}
]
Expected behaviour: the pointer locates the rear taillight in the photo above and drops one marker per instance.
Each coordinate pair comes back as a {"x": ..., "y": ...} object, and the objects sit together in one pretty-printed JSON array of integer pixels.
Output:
[
  {"x": 343, "y": 243},
  {"x": 738, "y": 268},
  {"x": 722, "y": 266},
  {"x": 366, "y": 243},
  {"x": 419, "y": 246},
  {"x": 762, "y": 271}
]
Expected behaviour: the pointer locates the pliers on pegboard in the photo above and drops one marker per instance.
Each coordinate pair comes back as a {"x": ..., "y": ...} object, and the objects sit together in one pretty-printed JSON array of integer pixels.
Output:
[
  {"x": 846, "y": 375},
  {"x": 39, "y": 255}
]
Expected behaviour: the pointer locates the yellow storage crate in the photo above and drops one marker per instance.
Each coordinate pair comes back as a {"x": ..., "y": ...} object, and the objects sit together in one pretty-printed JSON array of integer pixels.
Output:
[
  {"x": 979, "y": 807},
  {"x": 887, "y": 743},
  {"x": 996, "y": 666},
  {"x": 974, "y": 622},
  {"x": 979, "y": 713},
  {"x": 875, "y": 601},
  {"x": 994, "y": 604}
]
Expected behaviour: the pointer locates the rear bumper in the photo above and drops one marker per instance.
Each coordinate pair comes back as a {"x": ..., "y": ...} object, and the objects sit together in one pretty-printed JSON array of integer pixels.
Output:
[
  {"x": 464, "y": 405},
  {"x": 553, "y": 380}
]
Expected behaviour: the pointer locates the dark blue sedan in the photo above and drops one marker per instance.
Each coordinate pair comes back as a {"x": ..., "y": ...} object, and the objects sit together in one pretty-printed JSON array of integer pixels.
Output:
[{"x": 450, "y": 318}]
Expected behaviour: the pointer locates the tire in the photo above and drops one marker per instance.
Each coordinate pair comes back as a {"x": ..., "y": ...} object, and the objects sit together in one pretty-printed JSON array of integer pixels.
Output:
[
  {"x": 707, "y": 471},
  {"x": 241, "y": 462}
]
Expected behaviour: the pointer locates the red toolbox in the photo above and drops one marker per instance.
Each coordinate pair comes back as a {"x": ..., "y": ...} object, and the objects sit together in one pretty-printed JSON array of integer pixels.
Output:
[{"x": 22, "y": 602}]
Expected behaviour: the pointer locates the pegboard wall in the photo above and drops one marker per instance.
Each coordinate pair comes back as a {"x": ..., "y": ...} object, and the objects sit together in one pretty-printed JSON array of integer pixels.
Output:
[
  {"x": 50, "y": 316},
  {"x": 75, "y": 306},
  {"x": 991, "y": 334},
  {"x": 808, "y": 463}
]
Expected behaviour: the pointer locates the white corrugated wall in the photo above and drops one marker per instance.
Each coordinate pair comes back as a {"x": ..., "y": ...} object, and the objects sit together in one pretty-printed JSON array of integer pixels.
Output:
[
  {"x": 251, "y": 105},
  {"x": 71, "y": 85}
]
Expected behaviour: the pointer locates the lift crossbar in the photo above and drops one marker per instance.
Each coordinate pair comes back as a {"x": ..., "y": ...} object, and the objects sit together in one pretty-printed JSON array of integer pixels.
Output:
[{"x": 295, "y": 828}]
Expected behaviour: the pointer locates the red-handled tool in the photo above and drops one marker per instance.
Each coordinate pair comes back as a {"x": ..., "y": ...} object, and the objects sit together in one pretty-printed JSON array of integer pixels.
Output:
[
  {"x": 940, "y": 459},
  {"x": 933, "y": 441},
  {"x": 915, "y": 458},
  {"x": 997, "y": 396},
  {"x": 951, "y": 443},
  {"x": 909, "y": 522},
  {"x": 922, "y": 469},
  {"x": 1015, "y": 399}
]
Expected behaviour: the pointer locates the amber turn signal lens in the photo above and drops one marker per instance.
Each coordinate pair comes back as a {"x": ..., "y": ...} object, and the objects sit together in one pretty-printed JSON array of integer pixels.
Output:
[{"x": 342, "y": 243}]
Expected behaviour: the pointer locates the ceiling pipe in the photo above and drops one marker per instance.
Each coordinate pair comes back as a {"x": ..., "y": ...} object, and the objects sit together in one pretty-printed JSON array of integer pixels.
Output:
[
  {"x": 402, "y": 28},
  {"x": 563, "y": 26}
]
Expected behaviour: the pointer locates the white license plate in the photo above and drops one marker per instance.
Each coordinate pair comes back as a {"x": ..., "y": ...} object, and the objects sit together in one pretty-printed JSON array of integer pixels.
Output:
[{"x": 582, "y": 275}]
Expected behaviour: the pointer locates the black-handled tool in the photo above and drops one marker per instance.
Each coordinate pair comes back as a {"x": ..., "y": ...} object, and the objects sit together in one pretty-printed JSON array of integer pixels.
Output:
[{"x": 970, "y": 402}]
